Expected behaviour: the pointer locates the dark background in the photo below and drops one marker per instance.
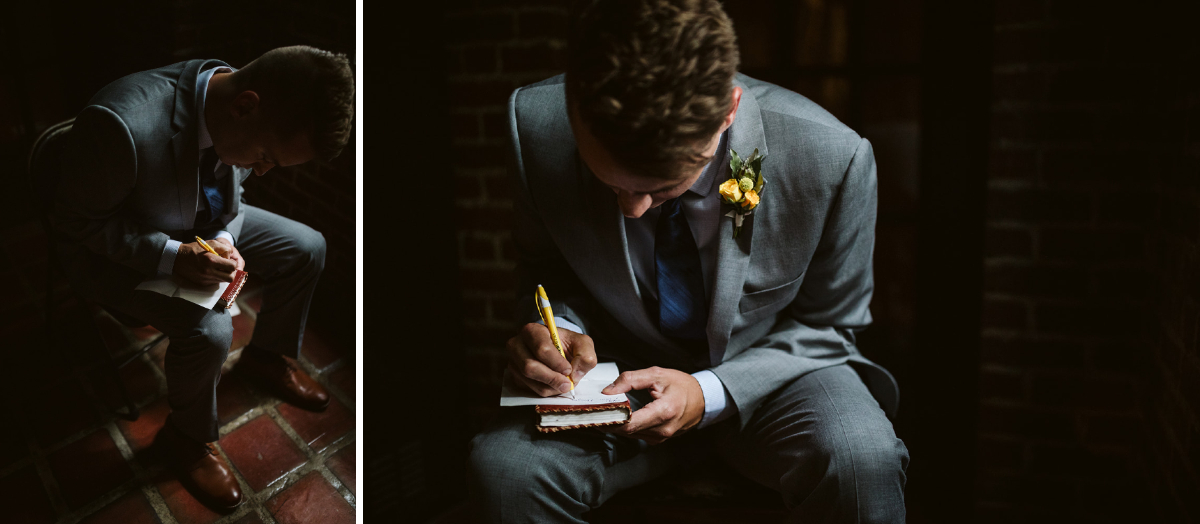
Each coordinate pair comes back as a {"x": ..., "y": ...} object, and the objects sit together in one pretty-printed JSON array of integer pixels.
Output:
[
  {"x": 1037, "y": 247},
  {"x": 59, "y": 53}
]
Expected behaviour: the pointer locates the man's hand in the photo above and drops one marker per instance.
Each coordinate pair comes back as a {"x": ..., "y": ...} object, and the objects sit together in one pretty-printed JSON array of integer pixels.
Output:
[
  {"x": 535, "y": 363},
  {"x": 678, "y": 404},
  {"x": 225, "y": 248},
  {"x": 196, "y": 264}
]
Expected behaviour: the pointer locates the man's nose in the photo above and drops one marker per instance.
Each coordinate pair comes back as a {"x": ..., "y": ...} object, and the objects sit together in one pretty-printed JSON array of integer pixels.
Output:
[{"x": 633, "y": 205}]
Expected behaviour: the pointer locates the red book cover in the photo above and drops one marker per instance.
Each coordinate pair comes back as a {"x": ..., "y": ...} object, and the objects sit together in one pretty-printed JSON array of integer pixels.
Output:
[
  {"x": 235, "y": 287},
  {"x": 552, "y": 409}
]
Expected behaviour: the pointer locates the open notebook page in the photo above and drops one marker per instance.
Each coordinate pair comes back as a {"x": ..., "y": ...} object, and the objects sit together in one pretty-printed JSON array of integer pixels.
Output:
[
  {"x": 203, "y": 296},
  {"x": 587, "y": 391}
]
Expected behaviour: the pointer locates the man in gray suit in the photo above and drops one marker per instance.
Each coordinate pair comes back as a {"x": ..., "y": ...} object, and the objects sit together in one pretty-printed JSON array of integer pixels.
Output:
[
  {"x": 159, "y": 157},
  {"x": 746, "y": 344}
]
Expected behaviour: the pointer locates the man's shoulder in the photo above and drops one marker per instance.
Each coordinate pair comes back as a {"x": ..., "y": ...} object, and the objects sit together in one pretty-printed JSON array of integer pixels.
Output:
[
  {"x": 135, "y": 90},
  {"x": 800, "y": 130},
  {"x": 784, "y": 106},
  {"x": 538, "y": 116},
  {"x": 138, "y": 95},
  {"x": 540, "y": 101}
]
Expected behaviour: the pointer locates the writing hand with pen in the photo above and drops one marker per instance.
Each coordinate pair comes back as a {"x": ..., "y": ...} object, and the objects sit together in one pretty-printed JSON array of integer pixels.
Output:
[
  {"x": 543, "y": 368},
  {"x": 209, "y": 262}
]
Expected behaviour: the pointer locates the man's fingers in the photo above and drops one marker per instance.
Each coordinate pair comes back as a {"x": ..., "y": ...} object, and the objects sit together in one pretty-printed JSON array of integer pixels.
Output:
[
  {"x": 525, "y": 365},
  {"x": 650, "y": 417},
  {"x": 220, "y": 262},
  {"x": 536, "y": 338},
  {"x": 537, "y": 388},
  {"x": 583, "y": 355},
  {"x": 630, "y": 380}
]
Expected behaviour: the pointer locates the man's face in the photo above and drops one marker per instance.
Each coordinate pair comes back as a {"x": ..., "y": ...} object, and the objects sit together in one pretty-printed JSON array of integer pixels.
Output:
[
  {"x": 637, "y": 193},
  {"x": 251, "y": 142}
]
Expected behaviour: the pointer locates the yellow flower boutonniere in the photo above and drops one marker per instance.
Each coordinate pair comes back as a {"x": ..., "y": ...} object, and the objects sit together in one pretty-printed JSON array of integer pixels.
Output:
[{"x": 744, "y": 188}]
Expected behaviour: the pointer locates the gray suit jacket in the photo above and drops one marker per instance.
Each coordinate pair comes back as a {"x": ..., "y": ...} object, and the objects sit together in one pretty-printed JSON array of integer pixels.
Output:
[
  {"x": 789, "y": 293},
  {"x": 129, "y": 178}
]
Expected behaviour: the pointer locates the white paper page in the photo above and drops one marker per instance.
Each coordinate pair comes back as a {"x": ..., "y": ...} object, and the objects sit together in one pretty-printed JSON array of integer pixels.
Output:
[
  {"x": 203, "y": 296},
  {"x": 587, "y": 391}
]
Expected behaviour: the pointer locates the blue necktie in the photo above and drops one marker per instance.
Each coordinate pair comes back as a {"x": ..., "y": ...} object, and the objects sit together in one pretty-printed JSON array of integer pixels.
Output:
[
  {"x": 681, "y": 304},
  {"x": 208, "y": 183}
]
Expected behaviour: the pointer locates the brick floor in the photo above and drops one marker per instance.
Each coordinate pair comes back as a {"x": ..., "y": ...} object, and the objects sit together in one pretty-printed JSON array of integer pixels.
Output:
[
  {"x": 68, "y": 457},
  {"x": 312, "y": 499}
]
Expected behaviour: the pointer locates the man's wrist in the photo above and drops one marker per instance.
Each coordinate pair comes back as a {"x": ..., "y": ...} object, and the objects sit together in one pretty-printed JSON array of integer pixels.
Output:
[
  {"x": 166, "y": 263},
  {"x": 225, "y": 235},
  {"x": 717, "y": 403}
]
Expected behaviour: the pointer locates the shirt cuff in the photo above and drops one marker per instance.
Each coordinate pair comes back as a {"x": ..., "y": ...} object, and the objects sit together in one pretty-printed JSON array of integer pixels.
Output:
[
  {"x": 166, "y": 263},
  {"x": 224, "y": 234},
  {"x": 565, "y": 324},
  {"x": 718, "y": 404}
]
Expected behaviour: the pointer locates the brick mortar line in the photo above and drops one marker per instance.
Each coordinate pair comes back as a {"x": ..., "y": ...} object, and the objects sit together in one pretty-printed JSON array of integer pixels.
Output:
[{"x": 1127, "y": 379}]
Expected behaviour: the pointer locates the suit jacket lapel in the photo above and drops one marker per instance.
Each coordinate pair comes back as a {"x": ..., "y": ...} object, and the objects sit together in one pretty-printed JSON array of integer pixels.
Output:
[
  {"x": 733, "y": 255},
  {"x": 185, "y": 143}
]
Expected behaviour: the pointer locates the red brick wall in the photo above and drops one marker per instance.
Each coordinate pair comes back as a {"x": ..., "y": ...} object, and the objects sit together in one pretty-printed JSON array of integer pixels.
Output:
[
  {"x": 496, "y": 46},
  {"x": 1080, "y": 131}
]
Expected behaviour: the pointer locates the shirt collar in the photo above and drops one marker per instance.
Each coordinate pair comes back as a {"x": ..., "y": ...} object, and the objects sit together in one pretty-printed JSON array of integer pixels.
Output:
[
  {"x": 203, "y": 138},
  {"x": 703, "y": 185}
]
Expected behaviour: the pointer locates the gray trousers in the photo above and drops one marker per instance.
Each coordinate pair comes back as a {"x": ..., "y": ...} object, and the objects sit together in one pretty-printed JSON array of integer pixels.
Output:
[
  {"x": 822, "y": 441},
  {"x": 285, "y": 255}
]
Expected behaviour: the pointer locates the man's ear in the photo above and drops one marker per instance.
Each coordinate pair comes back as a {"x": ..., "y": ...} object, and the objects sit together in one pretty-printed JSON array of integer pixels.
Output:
[
  {"x": 244, "y": 104},
  {"x": 737, "y": 99}
]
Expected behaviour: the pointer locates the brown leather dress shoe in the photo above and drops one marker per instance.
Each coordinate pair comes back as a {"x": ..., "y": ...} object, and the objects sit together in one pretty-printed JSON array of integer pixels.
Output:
[
  {"x": 284, "y": 376},
  {"x": 201, "y": 469}
]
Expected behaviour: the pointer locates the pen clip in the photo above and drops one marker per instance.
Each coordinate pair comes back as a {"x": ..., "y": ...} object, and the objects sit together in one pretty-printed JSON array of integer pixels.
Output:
[{"x": 538, "y": 306}]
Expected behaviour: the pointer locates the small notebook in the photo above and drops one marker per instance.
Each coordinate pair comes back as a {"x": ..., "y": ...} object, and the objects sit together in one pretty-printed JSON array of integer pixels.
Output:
[
  {"x": 589, "y": 408},
  {"x": 212, "y": 296},
  {"x": 557, "y": 418}
]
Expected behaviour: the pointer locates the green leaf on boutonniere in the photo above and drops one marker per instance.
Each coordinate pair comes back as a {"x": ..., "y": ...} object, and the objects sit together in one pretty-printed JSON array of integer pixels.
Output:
[
  {"x": 735, "y": 163},
  {"x": 756, "y": 161},
  {"x": 758, "y": 183}
]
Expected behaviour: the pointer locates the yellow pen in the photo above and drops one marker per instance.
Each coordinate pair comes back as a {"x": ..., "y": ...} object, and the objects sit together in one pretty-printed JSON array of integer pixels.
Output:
[
  {"x": 543, "y": 304},
  {"x": 206, "y": 246}
]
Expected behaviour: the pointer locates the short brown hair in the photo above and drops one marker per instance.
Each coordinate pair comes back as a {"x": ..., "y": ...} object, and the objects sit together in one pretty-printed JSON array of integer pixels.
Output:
[
  {"x": 303, "y": 88},
  {"x": 652, "y": 79}
]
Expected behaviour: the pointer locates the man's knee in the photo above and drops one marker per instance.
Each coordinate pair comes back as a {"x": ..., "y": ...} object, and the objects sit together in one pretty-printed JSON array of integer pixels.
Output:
[
  {"x": 309, "y": 246},
  {"x": 508, "y": 472},
  {"x": 212, "y": 335},
  {"x": 859, "y": 453}
]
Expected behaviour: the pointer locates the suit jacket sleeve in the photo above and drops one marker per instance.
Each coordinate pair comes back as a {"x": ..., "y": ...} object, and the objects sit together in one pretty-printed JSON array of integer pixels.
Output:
[
  {"x": 539, "y": 262},
  {"x": 99, "y": 170},
  {"x": 831, "y": 304}
]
